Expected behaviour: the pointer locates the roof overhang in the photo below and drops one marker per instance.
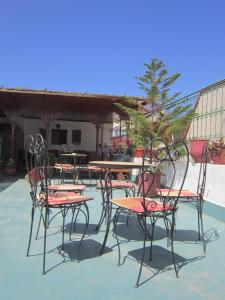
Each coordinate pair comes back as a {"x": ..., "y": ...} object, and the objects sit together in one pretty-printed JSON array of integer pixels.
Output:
[{"x": 35, "y": 102}]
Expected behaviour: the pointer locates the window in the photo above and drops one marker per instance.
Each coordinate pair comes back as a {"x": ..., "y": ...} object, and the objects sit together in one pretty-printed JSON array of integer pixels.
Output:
[
  {"x": 76, "y": 137},
  {"x": 59, "y": 136},
  {"x": 42, "y": 131}
]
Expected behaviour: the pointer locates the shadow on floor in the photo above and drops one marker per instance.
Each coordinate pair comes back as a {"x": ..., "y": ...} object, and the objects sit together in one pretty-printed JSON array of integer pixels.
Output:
[
  {"x": 161, "y": 260},
  {"x": 6, "y": 181}
]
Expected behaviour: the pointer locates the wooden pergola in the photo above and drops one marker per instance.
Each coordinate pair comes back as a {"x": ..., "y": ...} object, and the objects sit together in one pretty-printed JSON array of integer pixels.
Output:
[{"x": 53, "y": 105}]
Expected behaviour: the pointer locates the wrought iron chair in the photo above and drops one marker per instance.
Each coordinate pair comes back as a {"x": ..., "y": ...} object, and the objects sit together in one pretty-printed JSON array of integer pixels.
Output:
[
  {"x": 194, "y": 198},
  {"x": 44, "y": 199},
  {"x": 142, "y": 208}
]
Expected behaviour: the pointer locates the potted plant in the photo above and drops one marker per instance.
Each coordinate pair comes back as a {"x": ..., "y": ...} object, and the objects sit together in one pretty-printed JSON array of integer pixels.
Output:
[
  {"x": 156, "y": 116},
  {"x": 196, "y": 148},
  {"x": 10, "y": 167},
  {"x": 217, "y": 151},
  {"x": 152, "y": 118}
]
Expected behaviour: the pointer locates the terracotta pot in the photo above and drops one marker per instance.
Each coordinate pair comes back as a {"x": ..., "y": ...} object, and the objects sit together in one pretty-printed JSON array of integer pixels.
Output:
[
  {"x": 217, "y": 158},
  {"x": 139, "y": 152},
  {"x": 196, "y": 148},
  {"x": 151, "y": 185},
  {"x": 11, "y": 171}
]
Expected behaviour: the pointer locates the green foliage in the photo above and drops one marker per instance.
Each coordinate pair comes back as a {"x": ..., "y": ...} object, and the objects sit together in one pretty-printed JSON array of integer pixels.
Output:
[
  {"x": 51, "y": 158},
  {"x": 10, "y": 163},
  {"x": 160, "y": 122}
]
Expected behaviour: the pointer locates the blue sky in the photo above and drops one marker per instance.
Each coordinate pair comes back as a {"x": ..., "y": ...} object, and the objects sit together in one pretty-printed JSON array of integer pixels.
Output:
[{"x": 99, "y": 46}]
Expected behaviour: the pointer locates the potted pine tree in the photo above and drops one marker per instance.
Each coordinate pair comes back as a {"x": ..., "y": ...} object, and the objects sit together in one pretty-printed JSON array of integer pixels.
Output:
[{"x": 158, "y": 117}]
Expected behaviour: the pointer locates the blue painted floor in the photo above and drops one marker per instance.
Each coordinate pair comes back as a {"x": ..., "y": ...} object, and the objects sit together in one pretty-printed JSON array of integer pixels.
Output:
[{"x": 99, "y": 277}]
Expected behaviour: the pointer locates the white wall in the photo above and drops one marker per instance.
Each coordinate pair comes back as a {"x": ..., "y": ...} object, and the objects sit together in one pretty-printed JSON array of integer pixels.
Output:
[
  {"x": 88, "y": 132},
  {"x": 215, "y": 181}
]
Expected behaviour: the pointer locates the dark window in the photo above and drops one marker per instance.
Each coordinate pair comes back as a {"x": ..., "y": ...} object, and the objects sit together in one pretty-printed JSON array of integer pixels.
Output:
[
  {"x": 76, "y": 137},
  {"x": 42, "y": 131},
  {"x": 59, "y": 136}
]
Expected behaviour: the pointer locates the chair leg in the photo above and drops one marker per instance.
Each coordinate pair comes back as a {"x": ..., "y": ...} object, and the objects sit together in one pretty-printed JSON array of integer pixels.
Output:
[
  {"x": 172, "y": 248},
  {"x": 103, "y": 213},
  {"x": 202, "y": 228},
  {"x": 45, "y": 236},
  {"x": 63, "y": 226},
  {"x": 152, "y": 238},
  {"x": 115, "y": 220},
  {"x": 71, "y": 224},
  {"x": 143, "y": 253},
  {"x": 86, "y": 215},
  {"x": 31, "y": 228},
  {"x": 108, "y": 221},
  {"x": 39, "y": 223},
  {"x": 199, "y": 218}
]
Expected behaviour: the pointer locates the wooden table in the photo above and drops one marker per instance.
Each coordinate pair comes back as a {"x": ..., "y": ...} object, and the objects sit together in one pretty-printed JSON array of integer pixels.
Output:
[{"x": 108, "y": 165}]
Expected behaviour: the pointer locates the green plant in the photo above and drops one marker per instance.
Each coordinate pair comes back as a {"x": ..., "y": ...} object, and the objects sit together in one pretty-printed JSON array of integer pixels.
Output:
[
  {"x": 51, "y": 158},
  {"x": 10, "y": 163},
  {"x": 158, "y": 122},
  {"x": 217, "y": 145}
]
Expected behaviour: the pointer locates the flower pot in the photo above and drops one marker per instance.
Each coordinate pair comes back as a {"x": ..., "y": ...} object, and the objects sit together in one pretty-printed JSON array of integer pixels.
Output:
[
  {"x": 217, "y": 158},
  {"x": 11, "y": 171},
  {"x": 151, "y": 185},
  {"x": 139, "y": 152},
  {"x": 196, "y": 148}
]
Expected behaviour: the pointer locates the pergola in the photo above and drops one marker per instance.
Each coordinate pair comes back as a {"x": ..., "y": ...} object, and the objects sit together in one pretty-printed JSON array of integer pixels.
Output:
[{"x": 53, "y": 105}]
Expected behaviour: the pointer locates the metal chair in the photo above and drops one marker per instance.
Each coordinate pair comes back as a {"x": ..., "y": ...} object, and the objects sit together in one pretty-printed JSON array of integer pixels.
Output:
[
  {"x": 142, "y": 208},
  {"x": 194, "y": 198},
  {"x": 48, "y": 201}
]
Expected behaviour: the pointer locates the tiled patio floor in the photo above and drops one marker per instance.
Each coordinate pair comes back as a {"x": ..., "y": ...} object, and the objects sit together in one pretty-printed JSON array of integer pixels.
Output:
[{"x": 99, "y": 277}]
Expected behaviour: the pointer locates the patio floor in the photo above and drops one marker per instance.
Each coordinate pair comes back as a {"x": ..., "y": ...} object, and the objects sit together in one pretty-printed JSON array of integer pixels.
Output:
[{"x": 99, "y": 277}]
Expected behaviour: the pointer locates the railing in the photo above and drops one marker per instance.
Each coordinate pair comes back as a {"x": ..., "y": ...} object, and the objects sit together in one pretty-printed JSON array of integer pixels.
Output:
[
  {"x": 209, "y": 104},
  {"x": 210, "y": 108}
]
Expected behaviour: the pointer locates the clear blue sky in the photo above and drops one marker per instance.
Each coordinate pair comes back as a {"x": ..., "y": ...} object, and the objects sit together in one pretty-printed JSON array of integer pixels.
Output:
[{"x": 99, "y": 46}]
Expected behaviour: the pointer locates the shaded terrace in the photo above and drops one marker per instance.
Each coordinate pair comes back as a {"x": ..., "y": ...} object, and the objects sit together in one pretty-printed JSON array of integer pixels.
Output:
[{"x": 52, "y": 105}]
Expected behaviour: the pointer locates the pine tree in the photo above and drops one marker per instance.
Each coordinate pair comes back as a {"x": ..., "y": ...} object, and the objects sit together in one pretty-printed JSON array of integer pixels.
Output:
[{"x": 163, "y": 119}]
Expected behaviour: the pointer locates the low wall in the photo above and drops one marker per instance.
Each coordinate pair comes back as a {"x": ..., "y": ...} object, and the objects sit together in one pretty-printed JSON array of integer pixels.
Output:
[{"x": 215, "y": 180}]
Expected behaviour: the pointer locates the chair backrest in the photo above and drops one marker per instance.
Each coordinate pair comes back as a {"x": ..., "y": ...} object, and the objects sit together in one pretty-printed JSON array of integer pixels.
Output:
[
  {"x": 164, "y": 159},
  {"x": 203, "y": 172},
  {"x": 36, "y": 163}
]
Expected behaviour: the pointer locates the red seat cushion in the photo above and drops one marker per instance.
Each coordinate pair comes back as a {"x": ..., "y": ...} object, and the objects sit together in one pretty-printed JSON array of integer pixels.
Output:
[
  {"x": 120, "y": 184},
  {"x": 67, "y": 187},
  {"x": 64, "y": 198},
  {"x": 174, "y": 193},
  {"x": 135, "y": 204}
]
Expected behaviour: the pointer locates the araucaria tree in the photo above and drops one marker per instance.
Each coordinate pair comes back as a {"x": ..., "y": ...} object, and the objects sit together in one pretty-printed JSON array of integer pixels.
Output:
[{"x": 163, "y": 117}]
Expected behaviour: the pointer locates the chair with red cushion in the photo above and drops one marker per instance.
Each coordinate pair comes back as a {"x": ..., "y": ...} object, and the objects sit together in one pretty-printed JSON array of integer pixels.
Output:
[
  {"x": 142, "y": 208},
  {"x": 49, "y": 200},
  {"x": 194, "y": 198}
]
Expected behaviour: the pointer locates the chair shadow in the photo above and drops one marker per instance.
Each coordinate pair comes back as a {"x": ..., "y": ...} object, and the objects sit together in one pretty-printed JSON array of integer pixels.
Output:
[
  {"x": 161, "y": 260},
  {"x": 90, "y": 249},
  {"x": 185, "y": 235},
  {"x": 80, "y": 228},
  {"x": 132, "y": 233},
  {"x": 191, "y": 236}
]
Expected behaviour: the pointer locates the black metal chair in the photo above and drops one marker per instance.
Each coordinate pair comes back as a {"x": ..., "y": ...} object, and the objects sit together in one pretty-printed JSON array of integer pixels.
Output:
[
  {"x": 194, "y": 198},
  {"x": 140, "y": 209},
  {"x": 48, "y": 201}
]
